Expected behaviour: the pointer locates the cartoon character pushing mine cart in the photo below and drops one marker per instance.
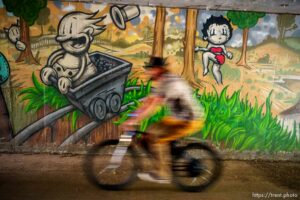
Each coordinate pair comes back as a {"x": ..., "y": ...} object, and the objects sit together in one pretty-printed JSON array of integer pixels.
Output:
[{"x": 93, "y": 82}]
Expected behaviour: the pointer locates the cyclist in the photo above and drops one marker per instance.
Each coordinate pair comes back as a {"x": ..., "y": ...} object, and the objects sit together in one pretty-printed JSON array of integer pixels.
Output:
[{"x": 186, "y": 116}]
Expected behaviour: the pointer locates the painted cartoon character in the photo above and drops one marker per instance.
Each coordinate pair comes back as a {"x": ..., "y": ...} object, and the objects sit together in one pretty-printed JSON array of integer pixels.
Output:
[
  {"x": 71, "y": 64},
  {"x": 13, "y": 34},
  {"x": 217, "y": 31}
]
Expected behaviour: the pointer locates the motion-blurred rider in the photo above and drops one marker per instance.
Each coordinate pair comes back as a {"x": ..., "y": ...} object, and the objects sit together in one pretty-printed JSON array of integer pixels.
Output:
[{"x": 186, "y": 117}]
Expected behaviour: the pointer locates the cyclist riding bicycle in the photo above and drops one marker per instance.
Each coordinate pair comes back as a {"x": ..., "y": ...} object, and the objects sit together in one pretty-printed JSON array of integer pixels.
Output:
[{"x": 186, "y": 116}]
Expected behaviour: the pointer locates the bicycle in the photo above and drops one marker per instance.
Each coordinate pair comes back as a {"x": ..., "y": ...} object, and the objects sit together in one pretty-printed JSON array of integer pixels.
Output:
[{"x": 114, "y": 164}]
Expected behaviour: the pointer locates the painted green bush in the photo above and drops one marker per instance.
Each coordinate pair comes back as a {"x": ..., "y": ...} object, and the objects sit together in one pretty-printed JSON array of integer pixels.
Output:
[
  {"x": 236, "y": 124},
  {"x": 135, "y": 96},
  {"x": 231, "y": 122},
  {"x": 40, "y": 95},
  {"x": 143, "y": 91}
]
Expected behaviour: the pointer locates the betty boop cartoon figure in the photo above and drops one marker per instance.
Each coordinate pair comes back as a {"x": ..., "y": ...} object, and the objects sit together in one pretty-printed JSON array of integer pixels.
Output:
[{"x": 217, "y": 31}]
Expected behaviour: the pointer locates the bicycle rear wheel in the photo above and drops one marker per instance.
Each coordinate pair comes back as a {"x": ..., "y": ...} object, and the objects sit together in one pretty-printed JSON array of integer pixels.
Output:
[
  {"x": 100, "y": 170},
  {"x": 196, "y": 167}
]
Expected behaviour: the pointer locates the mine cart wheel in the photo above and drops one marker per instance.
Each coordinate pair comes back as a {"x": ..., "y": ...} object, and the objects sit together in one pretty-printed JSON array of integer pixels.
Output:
[
  {"x": 114, "y": 102},
  {"x": 98, "y": 108}
]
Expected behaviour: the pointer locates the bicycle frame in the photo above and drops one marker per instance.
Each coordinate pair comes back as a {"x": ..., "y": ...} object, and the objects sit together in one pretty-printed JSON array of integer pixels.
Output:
[
  {"x": 120, "y": 151},
  {"x": 130, "y": 138}
]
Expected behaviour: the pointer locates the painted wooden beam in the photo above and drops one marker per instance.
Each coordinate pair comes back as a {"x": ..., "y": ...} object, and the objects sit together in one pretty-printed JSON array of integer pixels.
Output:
[{"x": 269, "y": 6}]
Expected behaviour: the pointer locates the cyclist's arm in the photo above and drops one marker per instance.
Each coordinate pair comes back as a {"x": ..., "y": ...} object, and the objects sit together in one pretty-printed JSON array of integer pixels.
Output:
[{"x": 149, "y": 107}]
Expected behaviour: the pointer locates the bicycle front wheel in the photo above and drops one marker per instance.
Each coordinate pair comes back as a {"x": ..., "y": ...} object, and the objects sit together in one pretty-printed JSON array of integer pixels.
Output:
[
  {"x": 103, "y": 173},
  {"x": 196, "y": 167}
]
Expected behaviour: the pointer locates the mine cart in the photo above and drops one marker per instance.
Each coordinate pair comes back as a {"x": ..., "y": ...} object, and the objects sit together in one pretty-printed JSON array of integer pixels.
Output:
[{"x": 100, "y": 97}]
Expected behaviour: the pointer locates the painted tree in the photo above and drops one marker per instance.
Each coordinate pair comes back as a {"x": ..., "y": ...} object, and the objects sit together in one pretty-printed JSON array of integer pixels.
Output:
[
  {"x": 159, "y": 32},
  {"x": 285, "y": 22},
  {"x": 28, "y": 12},
  {"x": 51, "y": 29},
  {"x": 43, "y": 18},
  {"x": 244, "y": 21},
  {"x": 189, "y": 45},
  {"x": 147, "y": 33}
]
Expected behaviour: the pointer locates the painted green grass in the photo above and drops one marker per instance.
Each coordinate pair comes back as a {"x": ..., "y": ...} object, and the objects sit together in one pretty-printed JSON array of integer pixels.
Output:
[
  {"x": 39, "y": 95},
  {"x": 236, "y": 124},
  {"x": 233, "y": 123},
  {"x": 143, "y": 91},
  {"x": 134, "y": 96}
]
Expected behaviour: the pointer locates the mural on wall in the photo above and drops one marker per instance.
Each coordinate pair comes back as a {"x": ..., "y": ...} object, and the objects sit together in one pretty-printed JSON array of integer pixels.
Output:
[{"x": 87, "y": 74}]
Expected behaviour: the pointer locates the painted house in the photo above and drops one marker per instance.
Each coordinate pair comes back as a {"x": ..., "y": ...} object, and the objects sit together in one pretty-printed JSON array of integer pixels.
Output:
[{"x": 291, "y": 117}]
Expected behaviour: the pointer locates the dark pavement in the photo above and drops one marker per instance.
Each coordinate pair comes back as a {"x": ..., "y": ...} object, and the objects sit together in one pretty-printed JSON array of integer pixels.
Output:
[{"x": 55, "y": 177}]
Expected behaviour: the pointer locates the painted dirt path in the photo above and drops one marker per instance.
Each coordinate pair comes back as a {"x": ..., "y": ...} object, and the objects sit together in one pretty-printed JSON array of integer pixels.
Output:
[{"x": 43, "y": 177}]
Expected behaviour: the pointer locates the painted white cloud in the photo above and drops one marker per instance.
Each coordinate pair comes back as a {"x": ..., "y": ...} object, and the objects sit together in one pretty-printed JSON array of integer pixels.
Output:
[
  {"x": 68, "y": 8},
  {"x": 149, "y": 12},
  {"x": 266, "y": 27},
  {"x": 236, "y": 39},
  {"x": 95, "y": 7},
  {"x": 169, "y": 12}
]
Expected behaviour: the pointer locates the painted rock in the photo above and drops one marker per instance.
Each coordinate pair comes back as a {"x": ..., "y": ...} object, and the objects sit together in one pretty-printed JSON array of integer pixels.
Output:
[{"x": 4, "y": 69}]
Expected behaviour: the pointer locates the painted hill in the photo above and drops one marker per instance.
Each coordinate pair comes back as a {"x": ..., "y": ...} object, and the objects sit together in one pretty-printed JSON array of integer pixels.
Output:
[
  {"x": 294, "y": 110},
  {"x": 135, "y": 49},
  {"x": 279, "y": 54}
]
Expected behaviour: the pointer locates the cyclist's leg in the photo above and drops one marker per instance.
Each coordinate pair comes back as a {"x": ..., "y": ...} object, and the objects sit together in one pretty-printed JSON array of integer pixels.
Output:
[
  {"x": 179, "y": 128},
  {"x": 172, "y": 129},
  {"x": 164, "y": 132},
  {"x": 161, "y": 152}
]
